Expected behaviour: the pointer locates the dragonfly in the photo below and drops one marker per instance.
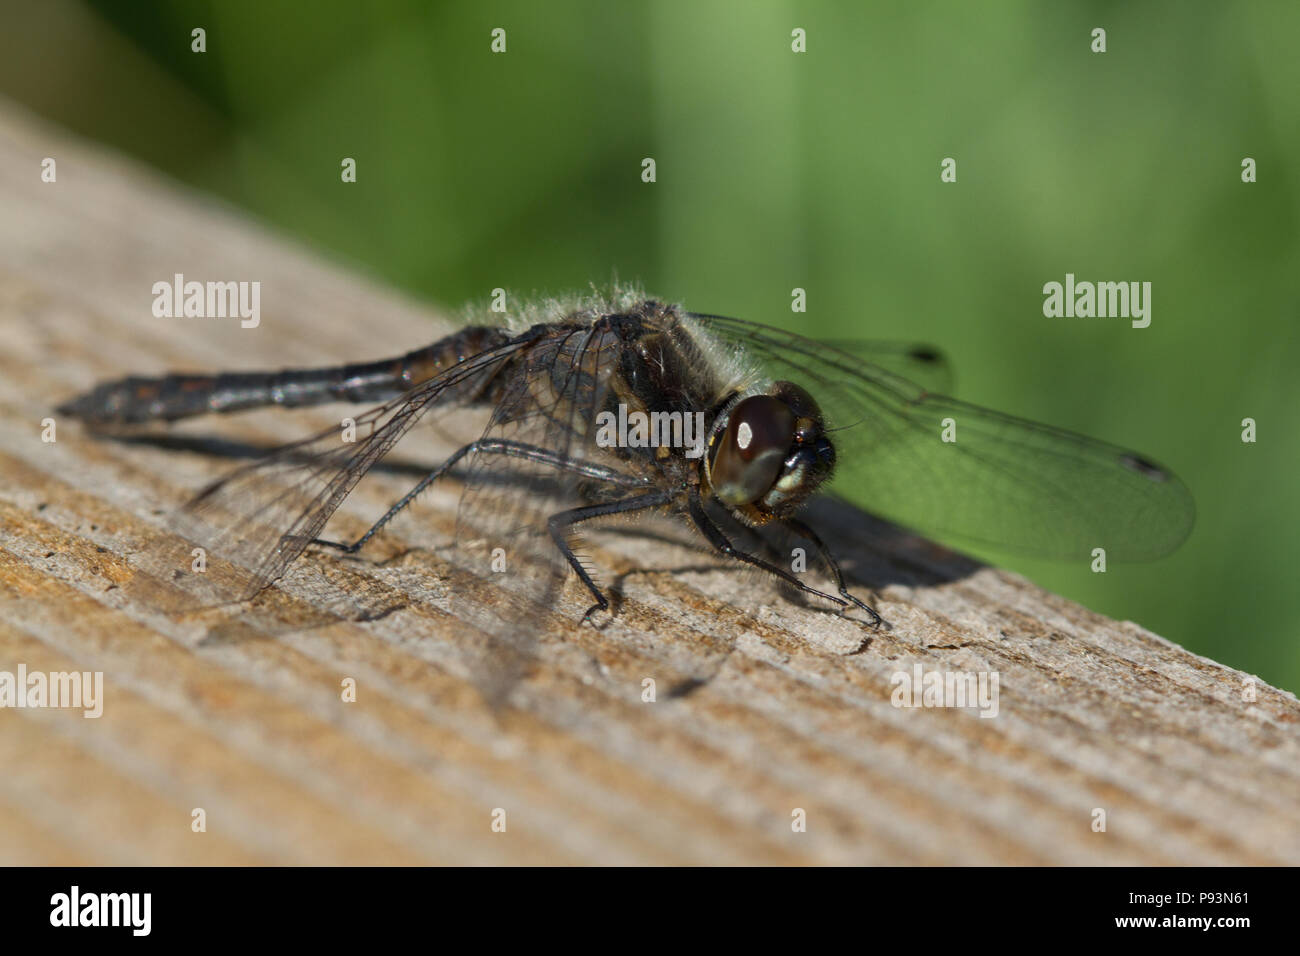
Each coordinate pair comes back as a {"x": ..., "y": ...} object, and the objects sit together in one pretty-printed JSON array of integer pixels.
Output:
[{"x": 780, "y": 417}]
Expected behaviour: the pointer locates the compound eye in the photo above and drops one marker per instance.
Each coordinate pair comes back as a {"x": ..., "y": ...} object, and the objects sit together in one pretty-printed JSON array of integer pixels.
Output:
[
  {"x": 751, "y": 452},
  {"x": 797, "y": 398}
]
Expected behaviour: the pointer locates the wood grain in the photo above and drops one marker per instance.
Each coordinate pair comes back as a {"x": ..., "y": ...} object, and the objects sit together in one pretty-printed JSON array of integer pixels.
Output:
[{"x": 764, "y": 704}]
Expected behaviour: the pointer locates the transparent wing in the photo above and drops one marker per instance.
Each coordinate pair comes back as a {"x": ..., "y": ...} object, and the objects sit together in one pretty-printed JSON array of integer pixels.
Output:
[
  {"x": 1001, "y": 480},
  {"x": 262, "y": 516},
  {"x": 915, "y": 361},
  {"x": 503, "y": 525},
  {"x": 548, "y": 406}
]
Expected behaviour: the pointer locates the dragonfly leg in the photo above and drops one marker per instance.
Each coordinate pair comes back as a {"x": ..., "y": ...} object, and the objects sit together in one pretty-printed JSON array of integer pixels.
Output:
[
  {"x": 720, "y": 541},
  {"x": 560, "y": 523},
  {"x": 801, "y": 529},
  {"x": 491, "y": 446}
]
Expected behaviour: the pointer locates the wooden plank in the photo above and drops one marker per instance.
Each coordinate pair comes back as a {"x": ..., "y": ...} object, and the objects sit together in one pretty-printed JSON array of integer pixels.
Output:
[{"x": 780, "y": 706}]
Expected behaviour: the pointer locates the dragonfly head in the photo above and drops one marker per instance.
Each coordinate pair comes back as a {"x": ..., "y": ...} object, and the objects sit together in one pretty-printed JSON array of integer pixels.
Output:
[{"x": 769, "y": 452}]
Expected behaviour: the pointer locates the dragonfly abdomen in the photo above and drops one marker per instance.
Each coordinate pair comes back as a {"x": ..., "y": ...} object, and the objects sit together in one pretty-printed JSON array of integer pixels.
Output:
[{"x": 137, "y": 399}]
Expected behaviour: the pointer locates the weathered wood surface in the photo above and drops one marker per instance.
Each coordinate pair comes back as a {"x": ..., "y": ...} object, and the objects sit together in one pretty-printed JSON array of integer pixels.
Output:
[{"x": 784, "y": 708}]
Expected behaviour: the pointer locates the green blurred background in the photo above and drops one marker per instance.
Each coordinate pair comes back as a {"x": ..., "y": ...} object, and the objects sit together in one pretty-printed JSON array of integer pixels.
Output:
[{"x": 818, "y": 170}]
